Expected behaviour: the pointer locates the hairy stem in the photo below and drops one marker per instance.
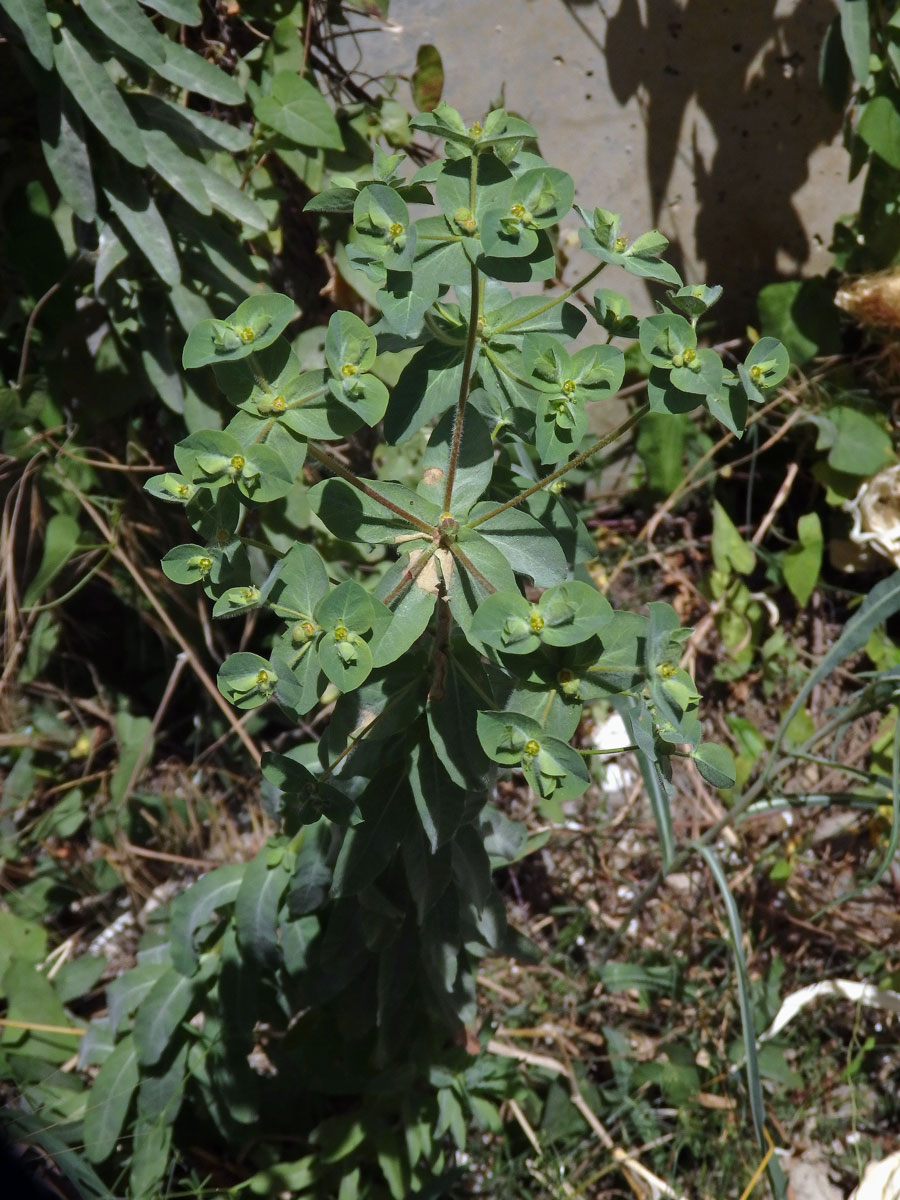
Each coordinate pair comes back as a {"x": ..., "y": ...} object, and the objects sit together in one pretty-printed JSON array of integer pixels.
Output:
[
  {"x": 333, "y": 464},
  {"x": 560, "y": 299},
  {"x": 612, "y": 436},
  {"x": 471, "y": 338}
]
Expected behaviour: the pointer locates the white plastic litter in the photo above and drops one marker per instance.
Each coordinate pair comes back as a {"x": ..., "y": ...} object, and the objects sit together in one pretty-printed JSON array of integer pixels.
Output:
[
  {"x": 881, "y": 1180},
  {"x": 845, "y": 989}
]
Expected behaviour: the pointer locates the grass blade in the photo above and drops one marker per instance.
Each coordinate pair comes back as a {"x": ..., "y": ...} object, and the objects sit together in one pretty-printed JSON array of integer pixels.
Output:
[{"x": 754, "y": 1084}]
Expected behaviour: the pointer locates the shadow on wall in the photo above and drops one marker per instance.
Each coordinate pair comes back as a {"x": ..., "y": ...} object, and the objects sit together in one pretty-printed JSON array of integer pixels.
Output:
[{"x": 753, "y": 77}]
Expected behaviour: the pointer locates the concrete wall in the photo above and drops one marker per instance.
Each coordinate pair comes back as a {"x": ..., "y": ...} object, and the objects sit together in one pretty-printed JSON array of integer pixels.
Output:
[{"x": 700, "y": 117}]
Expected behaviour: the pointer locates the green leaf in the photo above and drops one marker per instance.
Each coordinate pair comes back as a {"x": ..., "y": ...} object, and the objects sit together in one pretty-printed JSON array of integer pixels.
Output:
[
  {"x": 65, "y": 150},
  {"x": 427, "y": 387},
  {"x": 185, "y": 12},
  {"x": 427, "y": 80},
  {"x": 440, "y": 802},
  {"x": 802, "y": 314},
  {"x": 450, "y": 714},
  {"x": 716, "y": 764},
  {"x": 506, "y": 621},
  {"x": 860, "y": 446},
  {"x": 197, "y": 74},
  {"x": 729, "y": 550},
  {"x": 854, "y": 16},
  {"x": 60, "y": 543},
  {"x": 256, "y": 908},
  {"x": 124, "y": 994},
  {"x": 109, "y": 1100},
  {"x": 134, "y": 206},
  {"x": 368, "y": 847},
  {"x": 834, "y": 68},
  {"x": 414, "y": 589},
  {"x": 87, "y": 80},
  {"x": 664, "y": 337},
  {"x": 24, "y": 941},
  {"x": 189, "y": 563},
  {"x": 297, "y": 584},
  {"x": 298, "y": 111},
  {"x": 161, "y": 1013},
  {"x": 125, "y": 25},
  {"x": 801, "y": 564},
  {"x": 196, "y": 907},
  {"x": 230, "y": 200},
  {"x": 187, "y": 127},
  {"x": 474, "y": 464},
  {"x": 149, "y": 1158},
  {"x": 32, "y": 998},
  {"x": 528, "y": 547},
  {"x": 357, "y": 517},
  {"x": 30, "y": 17},
  {"x": 475, "y": 569},
  {"x": 767, "y": 364},
  {"x": 880, "y": 129}
]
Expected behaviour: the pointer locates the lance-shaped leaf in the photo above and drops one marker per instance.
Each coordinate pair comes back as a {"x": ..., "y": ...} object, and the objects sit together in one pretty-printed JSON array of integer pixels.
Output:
[
  {"x": 428, "y": 385},
  {"x": 196, "y": 908},
  {"x": 197, "y": 74},
  {"x": 368, "y": 847},
  {"x": 99, "y": 99},
  {"x": 132, "y": 203},
  {"x": 171, "y": 999},
  {"x": 110, "y": 1100},
  {"x": 440, "y": 802},
  {"x": 128, "y": 27},
  {"x": 30, "y": 16},
  {"x": 409, "y": 589},
  {"x": 265, "y": 881},
  {"x": 65, "y": 150}
]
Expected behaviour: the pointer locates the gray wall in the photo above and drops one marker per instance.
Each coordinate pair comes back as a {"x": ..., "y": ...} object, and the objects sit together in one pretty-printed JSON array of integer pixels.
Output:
[{"x": 705, "y": 120}]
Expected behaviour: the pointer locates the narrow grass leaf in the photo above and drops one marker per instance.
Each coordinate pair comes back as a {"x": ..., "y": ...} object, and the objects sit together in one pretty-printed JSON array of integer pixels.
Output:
[
  {"x": 754, "y": 1083},
  {"x": 882, "y": 602}
]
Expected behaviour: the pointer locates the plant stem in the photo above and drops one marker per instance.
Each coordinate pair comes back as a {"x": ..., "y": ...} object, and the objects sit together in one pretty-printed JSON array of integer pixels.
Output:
[
  {"x": 333, "y": 464},
  {"x": 560, "y": 299},
  {"x": 412, "y": 574},
  {"x": 636, "y": 416},
  {"x": 471, "y": 338},
  {"x": 466, "y": 562}
]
